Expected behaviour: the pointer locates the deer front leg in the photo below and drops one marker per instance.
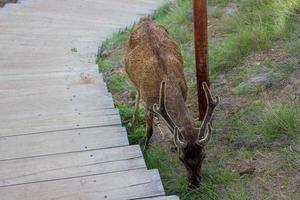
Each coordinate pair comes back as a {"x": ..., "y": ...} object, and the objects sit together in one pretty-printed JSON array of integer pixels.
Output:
[
  {"x": 136, "y": 109},
  {"x": 149, "y": 128}
]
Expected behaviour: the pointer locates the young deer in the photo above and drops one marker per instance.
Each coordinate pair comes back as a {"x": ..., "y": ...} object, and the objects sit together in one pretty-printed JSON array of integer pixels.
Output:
[{"x": 154, "y": 64}]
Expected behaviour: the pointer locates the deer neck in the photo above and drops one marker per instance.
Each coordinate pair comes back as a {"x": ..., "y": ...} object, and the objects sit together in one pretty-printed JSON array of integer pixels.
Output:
[{"x": 175, "y": 105}]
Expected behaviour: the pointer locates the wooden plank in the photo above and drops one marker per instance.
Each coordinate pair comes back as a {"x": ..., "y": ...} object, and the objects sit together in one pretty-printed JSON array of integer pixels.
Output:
[
  {"x": 22, "y": 108},
  {"x": 20, "y": 81},
  {"x": 163, "y": 198},
  {"x": 72, "y": 88},
  {"x": 58, "y": 142},
  {"x": 64, "y": 121},
  {"x": 30, "y": 52},
  {"x": 117, "y": 186},
  {"x": 78, "y": 164},
  {"x": 29, "y": 67},
  {"x": 68, "y": 92},
  {"x": 63, "y": 80},
  {"x": 35, "y": 102},
  {"x": 46, "y": 64},
  {"x": 82, "y": 44}
]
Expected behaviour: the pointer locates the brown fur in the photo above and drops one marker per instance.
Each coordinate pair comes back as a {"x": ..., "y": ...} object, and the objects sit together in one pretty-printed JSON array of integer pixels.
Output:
[{"x": 152, "y": 57}]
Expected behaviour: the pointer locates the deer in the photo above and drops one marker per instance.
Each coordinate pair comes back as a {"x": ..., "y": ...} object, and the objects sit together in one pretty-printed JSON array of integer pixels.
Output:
[{"x": 154, "y": 64}]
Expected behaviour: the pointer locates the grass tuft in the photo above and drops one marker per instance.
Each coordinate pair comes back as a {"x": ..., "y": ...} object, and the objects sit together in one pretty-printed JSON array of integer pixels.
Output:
[
  {"x": 136, "y": 134},
  {"x": 279, "y": 121},
  {"x": 216, "y": 179},
  {"x": 254, "y": 27}
]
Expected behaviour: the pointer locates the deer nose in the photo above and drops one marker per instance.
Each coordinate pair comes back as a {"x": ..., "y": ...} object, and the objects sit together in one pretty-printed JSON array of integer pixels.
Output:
[{"x": 195, "y": 181}]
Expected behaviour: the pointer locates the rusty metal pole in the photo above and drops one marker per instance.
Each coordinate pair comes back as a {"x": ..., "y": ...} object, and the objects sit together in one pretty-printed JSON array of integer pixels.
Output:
[{"x": 201, "y": 51}]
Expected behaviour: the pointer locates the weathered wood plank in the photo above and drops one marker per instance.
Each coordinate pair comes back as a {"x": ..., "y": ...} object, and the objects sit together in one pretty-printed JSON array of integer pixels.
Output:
[
  {"x": 73, "y": 88},
  {"x": 68, "y": 165},
  {"x": 23, "y": 108},
  {"x": 58, "y": 142},
  {"x": 45, "y": 64},
  {"x": 117, "y": 186},
  {"x": 62, "y": 92},
  {"x": 25, "y": 81},
  {"x": 39, "y": 65},
  {"x": 53, "y": 99},
  {"x": 163, "y": 198},
  {"x": 64, "y": 121}
]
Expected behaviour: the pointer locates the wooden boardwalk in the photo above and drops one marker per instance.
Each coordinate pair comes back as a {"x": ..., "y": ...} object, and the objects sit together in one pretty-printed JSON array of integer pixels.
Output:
[{"x": 60, "y": 135}]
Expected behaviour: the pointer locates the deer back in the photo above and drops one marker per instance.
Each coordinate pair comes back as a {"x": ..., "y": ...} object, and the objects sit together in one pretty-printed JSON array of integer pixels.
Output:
[{"x": 153, "y": 56}]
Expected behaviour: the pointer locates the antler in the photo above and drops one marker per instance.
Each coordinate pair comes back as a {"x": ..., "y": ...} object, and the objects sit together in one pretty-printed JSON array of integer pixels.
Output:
[
  {"x": 211, "y": 105},
  {"x": 161, "y": 109}
]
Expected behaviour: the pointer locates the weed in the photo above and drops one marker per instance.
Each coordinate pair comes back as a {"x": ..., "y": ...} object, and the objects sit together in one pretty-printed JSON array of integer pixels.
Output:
[
  {"x": 245, "y": 88},
  {"x": 279, "y": 121},
  {"x": 215, "y": 179},
  {"x": 74, "y": 50},
  {"x": 292, "y": 157},
  {"x": 260, "y": 123},
  {"x": 117, "y": 83},
  {"x": 136, "y": 134},
  {"x": 254, "y": 27},
  {"x": 215, "y": 12},
  {"x": 244, "y": 129},
  {"x": 244, "y": 154}
]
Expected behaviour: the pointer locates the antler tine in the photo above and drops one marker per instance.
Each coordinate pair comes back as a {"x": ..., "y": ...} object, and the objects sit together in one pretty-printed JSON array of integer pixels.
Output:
[
  {"x": 161, "y": 109},
  {"x": 206, "y": 138},
  {"x": 178, "y": 142},
  {"x": 211, "y": 105}
]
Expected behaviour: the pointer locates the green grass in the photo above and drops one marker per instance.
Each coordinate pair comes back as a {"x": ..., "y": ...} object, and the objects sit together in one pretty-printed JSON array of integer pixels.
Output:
[
  {"x": 244, "y": 129},
  {"x": 255, "y": 26},
  {"x": 216, "y": 180},
  {"x": 292, "y": 158},
  {"x": 215, "y": 12},
  {"x": 117, "y": 83},
  {"x": 74, "y": 50},
  {"x": 280, "y": 121},
  {"x": 258, "y": 124},
  {"x": 136, "y": 133}
]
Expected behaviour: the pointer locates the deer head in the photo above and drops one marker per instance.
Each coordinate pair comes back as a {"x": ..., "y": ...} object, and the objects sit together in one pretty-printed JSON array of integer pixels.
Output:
[{"x": 191, "y": 152}]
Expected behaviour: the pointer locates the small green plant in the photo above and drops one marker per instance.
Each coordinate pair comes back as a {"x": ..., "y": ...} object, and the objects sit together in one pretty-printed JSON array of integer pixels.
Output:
[
  {"x": 254, "y": 27},
  {"x": 118, "y": 83},
  {"x": 136, "y": 133},
  {"x": 292, "y": 157},
  {"x": 255, "y": 125},
  {"x": 245, "y": 88},
  {"x": 174, "y": 178},
  {"x": 244, "y": 127},
  {"x": 279, "y": 121},
  {"x": 215, "y": 12},
  {"x": 245, "y": 154},
  {"x": 74, "y": 50}
]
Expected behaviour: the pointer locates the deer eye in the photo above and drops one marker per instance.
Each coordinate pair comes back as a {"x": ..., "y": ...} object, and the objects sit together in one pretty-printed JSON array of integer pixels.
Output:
[
  {"x": 181, "y": 159},
  {"x": 203, "y": 156}
]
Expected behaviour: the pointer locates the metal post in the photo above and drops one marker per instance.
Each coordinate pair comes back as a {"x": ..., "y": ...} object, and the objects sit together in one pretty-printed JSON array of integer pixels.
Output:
[{"x": 201, "y": 51}]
